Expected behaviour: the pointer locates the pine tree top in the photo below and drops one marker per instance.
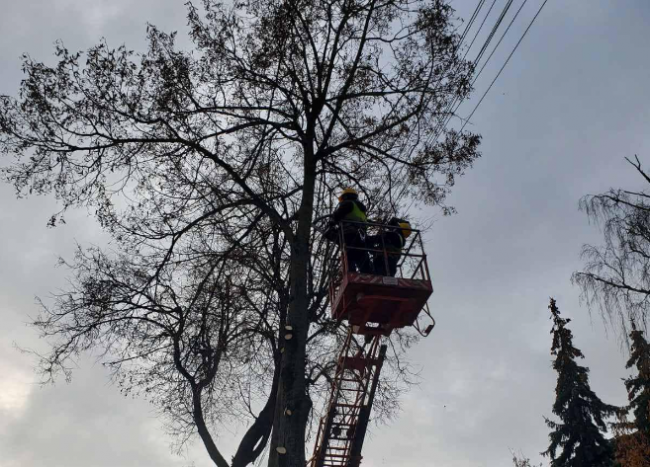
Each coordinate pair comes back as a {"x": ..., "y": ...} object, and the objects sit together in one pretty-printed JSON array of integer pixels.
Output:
[
  {"x": 579, "y": 434},
  {"x": 638, "y": 386},
  {"x": 562, "y": 336}
]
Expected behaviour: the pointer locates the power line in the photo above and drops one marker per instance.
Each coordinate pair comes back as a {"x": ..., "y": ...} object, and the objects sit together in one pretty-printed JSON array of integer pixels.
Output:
[
  {"x": 493, "y": 31},
  {"x": 498, "y": 43},
  {"x": 442, "y": 124},
  {"x": 475, "y": 14},
  {"x": 504, "y": 65},
  {"x": 477, "y": 10},
  {"x": 479, "y": 29},
  {"x": 448, "y": 118},
  {"x": 448, "y": 113}
]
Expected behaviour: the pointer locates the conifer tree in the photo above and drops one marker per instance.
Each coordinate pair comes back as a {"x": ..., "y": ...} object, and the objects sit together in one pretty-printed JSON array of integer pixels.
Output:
[
  {"x": 633, "y": 437},
  {"x": 638, "y": 387},
  {"x": 579, "y": 435},
  {"x": 522, "y": 461}
]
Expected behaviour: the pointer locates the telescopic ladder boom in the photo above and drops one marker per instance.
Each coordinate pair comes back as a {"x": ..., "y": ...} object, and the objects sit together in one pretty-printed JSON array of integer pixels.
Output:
[{"x": 342, "y": 430}]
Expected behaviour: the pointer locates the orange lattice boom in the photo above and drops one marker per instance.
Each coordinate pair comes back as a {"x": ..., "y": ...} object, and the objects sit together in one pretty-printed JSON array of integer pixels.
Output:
[{"x": 374, "y": 305}]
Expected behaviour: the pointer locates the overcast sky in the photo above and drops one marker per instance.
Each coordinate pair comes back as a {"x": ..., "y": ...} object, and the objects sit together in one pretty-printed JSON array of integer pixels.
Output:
[{"x": 572, "y": 103}]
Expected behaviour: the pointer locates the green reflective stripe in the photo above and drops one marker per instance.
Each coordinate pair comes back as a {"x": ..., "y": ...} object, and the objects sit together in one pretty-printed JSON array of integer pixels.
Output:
[{"x": 357, "y": 215}]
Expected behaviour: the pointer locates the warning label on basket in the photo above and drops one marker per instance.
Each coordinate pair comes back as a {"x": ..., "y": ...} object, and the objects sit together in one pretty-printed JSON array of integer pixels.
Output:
[{"x": 389, "y": 280}]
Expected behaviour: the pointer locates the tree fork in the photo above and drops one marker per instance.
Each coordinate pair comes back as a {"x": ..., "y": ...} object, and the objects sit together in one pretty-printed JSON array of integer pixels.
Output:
[{"x": 255, "y": 439}]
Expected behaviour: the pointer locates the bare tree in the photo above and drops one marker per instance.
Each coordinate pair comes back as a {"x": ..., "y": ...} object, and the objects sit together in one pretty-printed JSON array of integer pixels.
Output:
[
  {"x": 616, "y": 277},
  {"x": 210, "y": 168}
]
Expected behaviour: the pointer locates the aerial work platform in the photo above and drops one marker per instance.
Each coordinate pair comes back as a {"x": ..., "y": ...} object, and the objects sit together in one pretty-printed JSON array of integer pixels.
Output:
[
  {"x": 390, "y": 302},
  {"x": 374, "y": 305},
  {"x": 369, "y": 300}
]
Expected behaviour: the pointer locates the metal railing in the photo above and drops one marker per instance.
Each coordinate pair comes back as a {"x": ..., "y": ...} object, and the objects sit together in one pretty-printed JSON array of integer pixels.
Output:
[
  {"x": 366, "y": 248},
  {"x": 365, "y": 243}
]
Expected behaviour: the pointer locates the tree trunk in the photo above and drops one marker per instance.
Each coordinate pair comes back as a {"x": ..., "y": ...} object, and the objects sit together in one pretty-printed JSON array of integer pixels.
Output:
[
  {"x": 204, "y": 433},
  {"x": 293, "y": 403}
]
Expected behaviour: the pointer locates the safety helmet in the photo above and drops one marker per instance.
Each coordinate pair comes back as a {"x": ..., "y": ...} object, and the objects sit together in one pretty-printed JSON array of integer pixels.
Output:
[
  {"x": 403, "y": 224},
  {"x": 348, "y": 191},
  {"x": 406, "y": 228}
]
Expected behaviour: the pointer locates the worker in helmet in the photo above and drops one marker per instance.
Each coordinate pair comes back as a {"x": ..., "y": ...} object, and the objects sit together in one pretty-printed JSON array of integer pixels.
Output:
[
  {"x": 352, "y": 214},
  {"x": 390, "y": 243}
]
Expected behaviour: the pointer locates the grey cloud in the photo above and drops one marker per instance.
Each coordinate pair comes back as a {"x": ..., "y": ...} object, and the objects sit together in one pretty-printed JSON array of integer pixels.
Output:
[{"x": 572, "y": 103}]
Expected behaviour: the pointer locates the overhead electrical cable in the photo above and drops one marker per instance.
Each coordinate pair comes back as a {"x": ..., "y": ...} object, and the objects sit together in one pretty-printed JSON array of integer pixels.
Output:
[
  {"x": 496, "y": 26},
  {"x": 499, "y": 42},
  {"x": 455, "y": 103},
  {"x": 402, "y": 191},
  {"x": 448, "y": 113},
  {"x": 448, "y": 118},
  {"x": 477, "y": 10},
  {"x": 506, "y": 62},
  {"x": 468, "y": 27},
  {"x": 479, "y": 29}
]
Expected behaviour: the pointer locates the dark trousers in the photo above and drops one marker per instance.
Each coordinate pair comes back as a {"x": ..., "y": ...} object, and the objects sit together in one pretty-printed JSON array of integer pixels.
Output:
[
  {"x": 358, "y": 260},
  {"x": 385, "y": 266}
]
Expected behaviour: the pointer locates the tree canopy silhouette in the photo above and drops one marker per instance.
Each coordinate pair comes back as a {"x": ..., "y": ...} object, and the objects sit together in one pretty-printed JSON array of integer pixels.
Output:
[
  {"x": 633, "y": 437},
  {"x": 616, "y": 276},
  {"x": 582, "y": 414},
  {"x": 210, "y": 169}
]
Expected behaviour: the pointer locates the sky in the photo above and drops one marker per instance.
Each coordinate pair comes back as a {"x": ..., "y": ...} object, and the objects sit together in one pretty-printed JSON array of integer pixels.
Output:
[{"x": 570, "y": 106}]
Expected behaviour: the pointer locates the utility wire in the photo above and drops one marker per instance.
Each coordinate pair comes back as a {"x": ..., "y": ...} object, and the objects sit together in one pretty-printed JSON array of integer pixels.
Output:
[
  {"x": 487, "y": 61},
  {"x": 447, "y": 113},
  {"x": 479, "y": 29},
  {"x": 477, "y": 10},
  {"x": 500, "y": 40},
  {"x": 475, "y": 14},
  {"x": 504, "y": 65},
  {"x": 496, "y": 26},
  {"x": 442, "y": 124},
  {"x": 448, "y": 118}
]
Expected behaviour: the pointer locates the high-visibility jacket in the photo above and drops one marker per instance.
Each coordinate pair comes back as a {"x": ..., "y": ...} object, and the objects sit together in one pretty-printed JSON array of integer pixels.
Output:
[
  {"x": 356, "y": 215},
  {"x": 350, "y": 210}
]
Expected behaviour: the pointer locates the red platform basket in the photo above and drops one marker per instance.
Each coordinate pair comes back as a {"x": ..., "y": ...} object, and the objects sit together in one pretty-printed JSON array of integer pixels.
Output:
[
  {"x": 375, "y": 304},
  {"x": 387, "y": 302}
]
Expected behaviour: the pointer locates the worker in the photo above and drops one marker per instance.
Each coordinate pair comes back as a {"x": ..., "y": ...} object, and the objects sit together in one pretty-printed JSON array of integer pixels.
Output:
[
  {"x": 390, "y": 242},
  {"x": 352, "y": 213}
]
